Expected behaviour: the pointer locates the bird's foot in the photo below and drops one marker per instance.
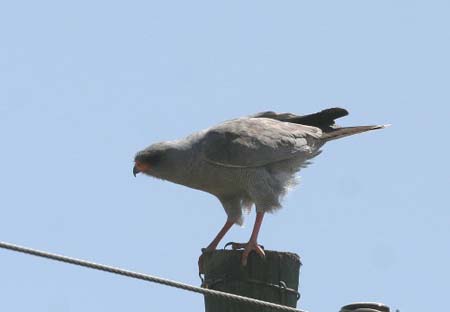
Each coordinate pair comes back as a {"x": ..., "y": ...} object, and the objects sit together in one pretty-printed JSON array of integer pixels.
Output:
[{"x": 248, "y": 248}]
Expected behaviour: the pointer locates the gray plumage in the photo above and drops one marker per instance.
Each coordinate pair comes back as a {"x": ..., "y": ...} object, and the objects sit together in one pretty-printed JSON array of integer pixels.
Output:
[{"x": 249, "y": 160}]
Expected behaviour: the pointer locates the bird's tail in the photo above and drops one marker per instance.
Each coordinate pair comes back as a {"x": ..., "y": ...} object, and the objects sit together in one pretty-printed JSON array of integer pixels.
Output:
[{"x": 346, "y": 131}]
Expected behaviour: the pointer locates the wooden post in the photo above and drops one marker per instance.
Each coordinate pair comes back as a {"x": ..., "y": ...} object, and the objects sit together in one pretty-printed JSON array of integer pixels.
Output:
[
  {"x": 274, "y": 279},
  {"x": 365, "y": 307}
]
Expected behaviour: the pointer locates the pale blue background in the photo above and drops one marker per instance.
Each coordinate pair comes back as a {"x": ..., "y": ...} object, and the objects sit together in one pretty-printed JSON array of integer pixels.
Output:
[{"x": 85, "y": 84}]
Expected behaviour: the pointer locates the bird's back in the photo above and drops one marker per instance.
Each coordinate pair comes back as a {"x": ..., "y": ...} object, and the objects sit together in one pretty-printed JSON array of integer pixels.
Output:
[{"x": 257, "y": 142}]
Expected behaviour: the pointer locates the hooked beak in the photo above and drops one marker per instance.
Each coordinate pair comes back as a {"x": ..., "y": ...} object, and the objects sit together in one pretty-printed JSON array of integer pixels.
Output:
[{"x": 135, "y": 170}]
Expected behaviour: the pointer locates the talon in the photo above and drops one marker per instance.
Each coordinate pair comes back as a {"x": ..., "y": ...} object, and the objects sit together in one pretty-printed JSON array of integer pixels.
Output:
[
  {"x": 228, "y": 244},
  {"x": 236, "y": 246},
  {"x": 248, "y": 248}
]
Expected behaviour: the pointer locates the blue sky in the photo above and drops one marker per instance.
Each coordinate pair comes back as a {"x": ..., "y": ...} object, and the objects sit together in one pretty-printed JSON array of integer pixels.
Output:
[{"x": 84, "y": 85}]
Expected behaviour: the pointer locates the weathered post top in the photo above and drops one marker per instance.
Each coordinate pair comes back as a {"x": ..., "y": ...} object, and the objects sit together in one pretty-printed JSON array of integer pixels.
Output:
[
  {"x": 365, "y": 307},
  {"x": 274, "y": 279}
]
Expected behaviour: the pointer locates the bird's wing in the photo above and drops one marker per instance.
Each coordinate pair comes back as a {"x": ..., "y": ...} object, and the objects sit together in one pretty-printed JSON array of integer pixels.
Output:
[
  {"x": 325, "y": 119},
  {"x": 254, "y": 142}
]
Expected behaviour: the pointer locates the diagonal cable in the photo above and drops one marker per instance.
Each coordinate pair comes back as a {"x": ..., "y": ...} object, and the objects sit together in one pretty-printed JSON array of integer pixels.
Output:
[{"x": 146, "y": 277}]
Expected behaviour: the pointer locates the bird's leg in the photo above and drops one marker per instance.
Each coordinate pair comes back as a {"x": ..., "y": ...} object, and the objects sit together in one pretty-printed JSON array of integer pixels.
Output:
[
  {"x": 213, "y": 245},
  {"x": 220, "y": 235},
  {"x": 252, "y": 244}
]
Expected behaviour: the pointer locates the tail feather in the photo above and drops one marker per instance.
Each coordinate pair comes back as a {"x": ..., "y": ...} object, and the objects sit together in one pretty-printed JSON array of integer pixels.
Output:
[{"x": 346, "y": 131}]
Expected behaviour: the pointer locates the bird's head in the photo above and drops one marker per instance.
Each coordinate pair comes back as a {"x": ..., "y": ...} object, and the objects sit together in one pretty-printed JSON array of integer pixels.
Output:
[{"x": 148, "y": 160}]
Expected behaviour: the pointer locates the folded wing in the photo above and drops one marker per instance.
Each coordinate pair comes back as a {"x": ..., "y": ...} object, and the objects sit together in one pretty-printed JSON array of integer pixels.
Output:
[{"x": 255, "y": 142}]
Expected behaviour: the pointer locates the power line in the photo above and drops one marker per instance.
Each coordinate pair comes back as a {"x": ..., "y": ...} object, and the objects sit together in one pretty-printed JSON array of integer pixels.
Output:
[{"x": 145, "y": 277}]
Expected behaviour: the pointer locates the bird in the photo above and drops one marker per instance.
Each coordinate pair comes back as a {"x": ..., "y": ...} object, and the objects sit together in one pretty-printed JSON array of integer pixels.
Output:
[{"x": 245, "y": 162}]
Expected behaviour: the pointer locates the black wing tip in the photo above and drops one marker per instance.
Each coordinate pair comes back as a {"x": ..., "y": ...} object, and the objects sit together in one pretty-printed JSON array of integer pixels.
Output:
[{"x": 335, "y": 112}]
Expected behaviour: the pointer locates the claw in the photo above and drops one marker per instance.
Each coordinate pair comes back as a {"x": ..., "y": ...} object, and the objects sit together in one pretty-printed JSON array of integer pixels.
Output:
[
  {"x": 237, "y": 246},
  {"x": 248, "y": 248}
]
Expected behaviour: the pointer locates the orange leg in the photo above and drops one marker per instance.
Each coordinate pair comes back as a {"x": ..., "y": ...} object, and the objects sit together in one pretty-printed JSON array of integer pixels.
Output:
[
  {"x": 252, "y": 244},
  {"x": 213, "y": 245},
  {"x": 220, "y": 235}
]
